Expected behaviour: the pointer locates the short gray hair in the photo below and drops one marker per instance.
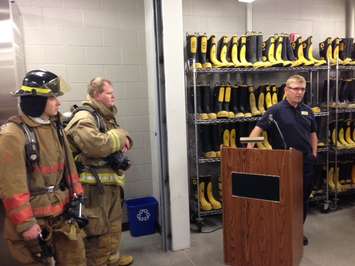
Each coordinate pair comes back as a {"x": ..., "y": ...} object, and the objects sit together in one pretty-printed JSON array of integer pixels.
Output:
[{"x": 96, "y": 85}]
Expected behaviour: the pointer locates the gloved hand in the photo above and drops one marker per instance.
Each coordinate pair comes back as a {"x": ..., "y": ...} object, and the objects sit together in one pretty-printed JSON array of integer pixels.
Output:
[{"x": 32, "y": 233}]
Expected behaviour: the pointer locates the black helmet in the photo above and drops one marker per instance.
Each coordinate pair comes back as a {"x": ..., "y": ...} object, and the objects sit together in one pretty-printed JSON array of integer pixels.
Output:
[{"x": 40, "y": 83}]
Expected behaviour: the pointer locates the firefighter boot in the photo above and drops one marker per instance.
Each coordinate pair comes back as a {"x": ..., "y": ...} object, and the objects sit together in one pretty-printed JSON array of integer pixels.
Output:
[
  {"x": 353, "y": 173},
  {"x": 243, "y": 51},
  {"x": 334, "y": 137},
  {"x": 330, "y": 179},
  {"x": 288, "y": 52},
  {"x": 219, "y": 96},
  {"x": 274, "y": 98},
  {"x": 348, "y": 138},
  {"x": 266, "y": 142},
  {"x": 259, "y": 53},
  {"x": 252, "y": 51},
  {"x": 206, "y": 139},
  {"x": 124, "y": 261},
  {"x": 204, "y": 204},
  {"x": 227, "y": 102},
  {"x": 269, "y": 52},
  {"x": 234, "y": 103},
  {"x": 192, "y": 51},
  {"x": 268, "y": 98},
  {"x": 298, "y": 50},
  {"x": 216, "y": 140},
  {"x": 338, "y": 186},
  {"x": 244, "y": 100},
  {"x": 226, "y": 138},
  {"x": 308, "y": 53},
  {"x": 281, "y": 92},
  {"x": 279, "y": 51},
  {"x": 252, "y": 102},
  {"x": 222, "y": 50},
  {"x": 261, "y": 99},
  {"x": 202, "y": 50},
  {"x": 212, "y": 52},
  {"x": 326, "y": 51},
  {"x": 341, "y": 135},
  {"x": 216, "y": 205},
  {"x": 200, "y": 104},
  {"x": 234, "y": 51},
  {"x": 336, "y": 51},
  {"x": 345, "y": 50},
  {"x": 233, "y": 138},
  {"x": 206, "y": 102}
]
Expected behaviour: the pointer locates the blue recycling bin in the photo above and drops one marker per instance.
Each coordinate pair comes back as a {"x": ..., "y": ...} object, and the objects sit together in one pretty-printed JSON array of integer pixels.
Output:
[{"x": 142, "y": 215}]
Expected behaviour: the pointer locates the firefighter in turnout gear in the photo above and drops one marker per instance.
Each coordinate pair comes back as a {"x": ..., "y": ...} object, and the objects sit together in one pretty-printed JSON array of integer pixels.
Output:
[
  {"x": 96, "y": 139},
  {"x": 38, "y": 178}
]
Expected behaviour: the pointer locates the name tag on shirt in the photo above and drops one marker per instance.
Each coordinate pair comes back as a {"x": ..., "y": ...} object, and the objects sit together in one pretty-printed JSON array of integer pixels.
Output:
[{"x": 304, "y": 113}]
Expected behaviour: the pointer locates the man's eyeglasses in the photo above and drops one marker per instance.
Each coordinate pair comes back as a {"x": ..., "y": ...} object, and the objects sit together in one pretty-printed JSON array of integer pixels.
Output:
[{"x": 300, "y": 89}]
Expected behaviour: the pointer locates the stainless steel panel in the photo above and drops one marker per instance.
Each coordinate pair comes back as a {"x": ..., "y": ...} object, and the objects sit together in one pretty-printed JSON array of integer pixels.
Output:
[
  {"x": 12, "y": 68},
  {"x": 12, "y": 59}
]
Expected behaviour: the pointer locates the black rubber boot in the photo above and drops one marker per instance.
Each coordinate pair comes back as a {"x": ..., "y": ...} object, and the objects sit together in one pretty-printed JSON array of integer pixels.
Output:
[
  {"x": 219, "y": 99},
  {"x": 202, "y": 51},
  {"x": 326, "y": 51},
  {"x": 297, "y": 46},
  {"x": 244, "y": 100},
  {"x": 217, "y": 139},
  {"x": 206, "y": 102},
  {"x": 192, "y": 50},
  {"x": 242, "y": 44},
  {"x": 279, "y": 51},
  {"x": 308, "y": 53},
  {"x": 227, "y": 101},
  {"x": 222, "y": 51},
  {"x": 251, "y": 48},
  {"x": 212, "y": 52},
  {"x": 281, "y": 92},
  {"x": 234, "y": 103},
  {"x": 206, "y": 139},
  {"x": 260, "y": 96},
  {"x": 269, "y": 52}
]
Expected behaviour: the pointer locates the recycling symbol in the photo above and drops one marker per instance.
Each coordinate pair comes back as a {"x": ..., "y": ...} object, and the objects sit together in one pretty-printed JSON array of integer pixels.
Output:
[{"x": 143, "y": 215}]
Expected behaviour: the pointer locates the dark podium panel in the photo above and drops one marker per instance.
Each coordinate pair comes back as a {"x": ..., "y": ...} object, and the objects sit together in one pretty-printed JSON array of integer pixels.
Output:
[{"x": 262, "y": 207}]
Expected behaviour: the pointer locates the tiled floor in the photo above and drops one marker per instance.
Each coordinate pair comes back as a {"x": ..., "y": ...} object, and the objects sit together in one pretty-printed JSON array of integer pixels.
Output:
[{"x": 331, "y": 237}]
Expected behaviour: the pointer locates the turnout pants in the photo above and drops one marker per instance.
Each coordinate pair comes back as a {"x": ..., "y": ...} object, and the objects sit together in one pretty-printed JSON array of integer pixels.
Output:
[
  {"x": 104, "y": 210},
  {"x": 65, "y": 239}
]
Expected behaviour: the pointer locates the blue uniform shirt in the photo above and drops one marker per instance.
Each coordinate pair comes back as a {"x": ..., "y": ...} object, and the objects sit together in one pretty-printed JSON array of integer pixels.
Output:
[{"x": 296, "y": 124}]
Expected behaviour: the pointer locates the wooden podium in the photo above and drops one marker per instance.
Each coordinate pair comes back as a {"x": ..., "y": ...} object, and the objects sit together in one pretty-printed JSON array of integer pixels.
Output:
[{"x": 263, "y": 207}]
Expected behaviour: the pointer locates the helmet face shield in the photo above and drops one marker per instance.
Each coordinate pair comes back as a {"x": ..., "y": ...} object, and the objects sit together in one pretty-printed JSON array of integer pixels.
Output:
[{"x": 42, "y": 83}]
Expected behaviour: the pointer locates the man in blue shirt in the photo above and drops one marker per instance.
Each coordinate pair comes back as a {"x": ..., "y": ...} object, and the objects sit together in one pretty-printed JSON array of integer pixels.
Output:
[{"x": 298, "y": 129}]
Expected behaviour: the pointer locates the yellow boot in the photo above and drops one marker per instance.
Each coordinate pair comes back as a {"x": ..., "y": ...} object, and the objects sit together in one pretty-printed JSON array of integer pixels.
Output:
[
  {"x": 348, "y": 135},
  {"x": 269, "y": 52},
  {"x": 215, "y": 203},
  {"x": 268, "y": 98},
  {"x": 202, "y": 46},
  {"x": 243, "y": 52},
  {"x": 252, "y": 102},
  {"x": 219, "y": 106},
  {"x": 233, "y": 47},
  {"x": 330, "y": 179},
  {"x": 335, "y": 140},
  {"x": 308, "y": 53},
  {"x": 261, "y": 100},
  {"x": 326, "y": 51},
  {"x": 227, "y": 100},
  {"x": 274, "y": 95},
  {"x": 266, "y": 141},
  {"x": 299, "y": 52},
  {"x": 192, "y": 50},
  {"x": 338, "y": 186},
  {"x": 223, "y": 50},
  {"x": 125, "y": 261},
  {"x": 233, "y": 137},
  {"x": 336, "y": 56},
  {"x": 204, "y": 204},
  {"x": 226, "y": 138},
  {"x": 342, "y": 139},
  {"x": 212, "y": 52},
  {"x": 278, "y": 51}
]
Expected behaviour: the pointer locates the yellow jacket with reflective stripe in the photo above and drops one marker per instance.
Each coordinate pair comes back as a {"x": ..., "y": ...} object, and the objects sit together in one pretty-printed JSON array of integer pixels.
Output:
[
  {"x": 93, "y": 146},
  {"x": 22, "y": 206}
]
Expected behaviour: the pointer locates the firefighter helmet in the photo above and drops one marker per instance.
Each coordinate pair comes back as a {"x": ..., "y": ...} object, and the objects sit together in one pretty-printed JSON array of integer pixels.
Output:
[{"x": 41, "y": 83}]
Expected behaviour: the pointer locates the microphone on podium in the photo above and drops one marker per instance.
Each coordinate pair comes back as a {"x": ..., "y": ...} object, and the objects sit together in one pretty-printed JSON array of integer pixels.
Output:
[{"x": 272, "y": 120}]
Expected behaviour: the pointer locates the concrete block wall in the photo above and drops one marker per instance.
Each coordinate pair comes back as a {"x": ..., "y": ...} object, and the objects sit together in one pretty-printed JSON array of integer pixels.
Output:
[
  {"x": 86, "y": 38},
  {"x": 319, "y": 18}
]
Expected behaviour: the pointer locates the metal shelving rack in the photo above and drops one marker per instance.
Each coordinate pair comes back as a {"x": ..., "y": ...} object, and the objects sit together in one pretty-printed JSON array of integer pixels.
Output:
[{"x": 195, "y": 122}]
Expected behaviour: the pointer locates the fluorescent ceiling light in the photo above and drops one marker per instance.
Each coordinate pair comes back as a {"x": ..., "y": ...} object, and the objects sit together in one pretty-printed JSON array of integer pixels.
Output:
[{"x": 246, "y": 1}]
